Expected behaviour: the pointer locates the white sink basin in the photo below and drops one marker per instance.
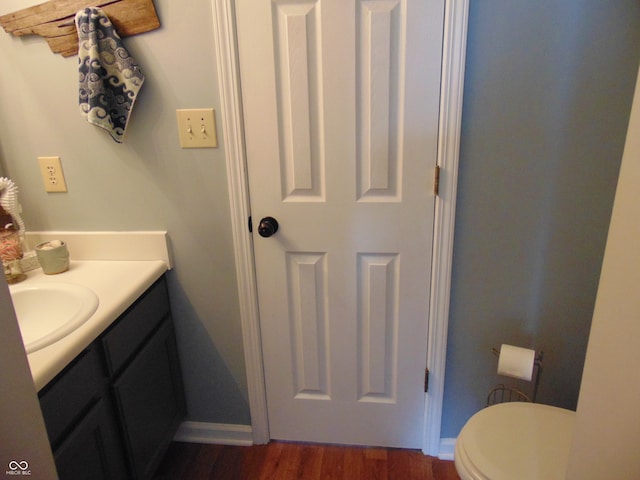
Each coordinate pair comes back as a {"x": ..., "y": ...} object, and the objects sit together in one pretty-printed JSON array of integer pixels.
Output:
[{"x": 48, "y": 312}]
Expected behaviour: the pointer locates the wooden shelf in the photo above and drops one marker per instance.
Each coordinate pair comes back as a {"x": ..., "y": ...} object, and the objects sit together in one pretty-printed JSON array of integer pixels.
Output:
[{"x": 54, "y": 20}]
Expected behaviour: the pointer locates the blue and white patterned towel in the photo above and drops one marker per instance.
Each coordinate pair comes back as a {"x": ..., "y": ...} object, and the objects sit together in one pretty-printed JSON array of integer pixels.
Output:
[{"x": 110, "y": 78}]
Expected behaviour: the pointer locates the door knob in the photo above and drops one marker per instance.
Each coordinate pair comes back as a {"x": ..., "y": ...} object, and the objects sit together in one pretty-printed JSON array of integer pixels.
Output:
[{"x": 268, "y": 226}]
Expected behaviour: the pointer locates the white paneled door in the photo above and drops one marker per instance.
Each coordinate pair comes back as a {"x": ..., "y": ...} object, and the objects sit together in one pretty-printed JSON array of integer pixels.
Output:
[{"x": 340, "y": 102}]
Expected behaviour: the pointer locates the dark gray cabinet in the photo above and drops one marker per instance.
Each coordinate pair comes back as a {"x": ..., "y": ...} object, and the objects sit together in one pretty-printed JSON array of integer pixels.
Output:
[{"x": 113, "y": 411}]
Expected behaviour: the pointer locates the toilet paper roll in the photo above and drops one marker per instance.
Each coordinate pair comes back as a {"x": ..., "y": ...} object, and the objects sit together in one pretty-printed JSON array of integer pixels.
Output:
[{"x": 516, "y": 362}]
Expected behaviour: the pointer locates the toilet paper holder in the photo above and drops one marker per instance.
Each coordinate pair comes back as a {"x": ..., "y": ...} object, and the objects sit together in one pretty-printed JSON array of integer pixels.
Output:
[{"x": 502, "y": 393}]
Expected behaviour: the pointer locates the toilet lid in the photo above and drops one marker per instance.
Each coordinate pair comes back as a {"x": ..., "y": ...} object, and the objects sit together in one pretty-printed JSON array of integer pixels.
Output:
[{"x": 515, "y": 440}]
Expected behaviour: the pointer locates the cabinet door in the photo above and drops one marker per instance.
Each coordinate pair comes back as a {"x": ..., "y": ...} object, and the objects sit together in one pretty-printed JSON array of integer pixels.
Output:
[
  {"x": 150, "y": 400},
  {"x": 92, "y": 450}
]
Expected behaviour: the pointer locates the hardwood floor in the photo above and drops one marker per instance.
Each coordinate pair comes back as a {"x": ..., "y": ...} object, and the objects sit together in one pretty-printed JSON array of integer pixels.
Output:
[{"x": 285, "y": 461}]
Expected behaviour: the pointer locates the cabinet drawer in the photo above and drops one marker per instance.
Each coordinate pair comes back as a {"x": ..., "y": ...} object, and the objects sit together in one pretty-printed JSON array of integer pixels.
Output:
[
  {"x": 68, "y": 395},
  {"x": 135, "y": 325}
]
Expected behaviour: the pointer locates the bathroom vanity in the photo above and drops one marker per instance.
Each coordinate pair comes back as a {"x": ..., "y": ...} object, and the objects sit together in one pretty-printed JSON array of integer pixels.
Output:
[
  {"x": 111, "y": 392},
  {"x": 116, "y": 407}
]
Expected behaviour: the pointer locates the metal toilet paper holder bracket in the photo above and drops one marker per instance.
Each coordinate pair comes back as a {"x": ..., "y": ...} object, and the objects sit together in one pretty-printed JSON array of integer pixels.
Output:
[{"x": 502, "y": 393}]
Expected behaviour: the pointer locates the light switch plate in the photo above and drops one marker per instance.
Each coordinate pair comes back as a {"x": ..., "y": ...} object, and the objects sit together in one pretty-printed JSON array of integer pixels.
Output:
[
  {"x": 52, "y": 175},
  {"x": 197, "y": 128}
]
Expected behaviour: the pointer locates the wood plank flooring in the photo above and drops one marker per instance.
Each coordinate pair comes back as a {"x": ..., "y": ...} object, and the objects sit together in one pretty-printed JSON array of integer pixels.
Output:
[{"x": 286, "y": 461}]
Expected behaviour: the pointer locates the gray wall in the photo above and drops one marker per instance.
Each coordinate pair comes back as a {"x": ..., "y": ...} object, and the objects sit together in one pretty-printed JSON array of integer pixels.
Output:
[
  {"x": 147, "y": 183},
  {"x": 548, "y": 92}
]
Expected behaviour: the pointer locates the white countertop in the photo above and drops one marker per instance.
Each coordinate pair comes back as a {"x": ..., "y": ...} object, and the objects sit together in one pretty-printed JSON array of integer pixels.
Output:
[{"x": 116, "y": 283}]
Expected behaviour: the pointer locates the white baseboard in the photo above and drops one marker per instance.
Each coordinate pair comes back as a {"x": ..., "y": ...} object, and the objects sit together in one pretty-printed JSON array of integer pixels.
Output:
[
  {"x": 447, "y": 447},
  {"x": 214, "y": 433},
  {"x": 242, "y": 435}
]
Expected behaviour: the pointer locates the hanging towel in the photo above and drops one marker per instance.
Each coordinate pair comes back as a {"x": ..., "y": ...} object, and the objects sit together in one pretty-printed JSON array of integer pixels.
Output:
[{"x": 110, "y": 78}]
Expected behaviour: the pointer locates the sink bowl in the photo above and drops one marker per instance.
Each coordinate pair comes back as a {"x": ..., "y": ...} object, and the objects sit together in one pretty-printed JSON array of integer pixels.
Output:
[{"x": 48, "y": 312}]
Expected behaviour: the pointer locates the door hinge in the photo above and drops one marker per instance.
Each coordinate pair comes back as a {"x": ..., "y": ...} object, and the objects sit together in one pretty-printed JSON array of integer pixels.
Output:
[
  {"x": 436, "y": 181},
  {"x": 250, "y": 224},
  {"x": 426, "y": 380}
]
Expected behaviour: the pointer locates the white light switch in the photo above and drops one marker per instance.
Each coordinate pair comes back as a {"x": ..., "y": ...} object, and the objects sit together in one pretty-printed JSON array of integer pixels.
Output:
[{"x": 197, "y": 128}]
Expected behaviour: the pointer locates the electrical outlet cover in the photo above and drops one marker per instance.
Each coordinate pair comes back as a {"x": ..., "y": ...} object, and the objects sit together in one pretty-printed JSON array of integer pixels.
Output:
[{"x": 52, "y": 175}]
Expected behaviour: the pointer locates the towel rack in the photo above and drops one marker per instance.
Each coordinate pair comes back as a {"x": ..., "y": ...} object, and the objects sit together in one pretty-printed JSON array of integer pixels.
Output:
[{"x": 53, "y": 20}]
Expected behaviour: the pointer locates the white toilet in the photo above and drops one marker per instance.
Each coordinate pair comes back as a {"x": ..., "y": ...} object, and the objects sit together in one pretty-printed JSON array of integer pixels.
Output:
[{"x": 515, "y": 441}]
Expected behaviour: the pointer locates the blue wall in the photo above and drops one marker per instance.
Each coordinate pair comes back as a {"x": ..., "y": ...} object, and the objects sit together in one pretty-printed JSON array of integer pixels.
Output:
[{"x": 548, "y": 92}]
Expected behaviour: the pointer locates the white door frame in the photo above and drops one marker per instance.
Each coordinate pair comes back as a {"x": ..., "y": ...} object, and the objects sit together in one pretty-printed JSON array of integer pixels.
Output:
[{"x": 452, "y": 84}]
